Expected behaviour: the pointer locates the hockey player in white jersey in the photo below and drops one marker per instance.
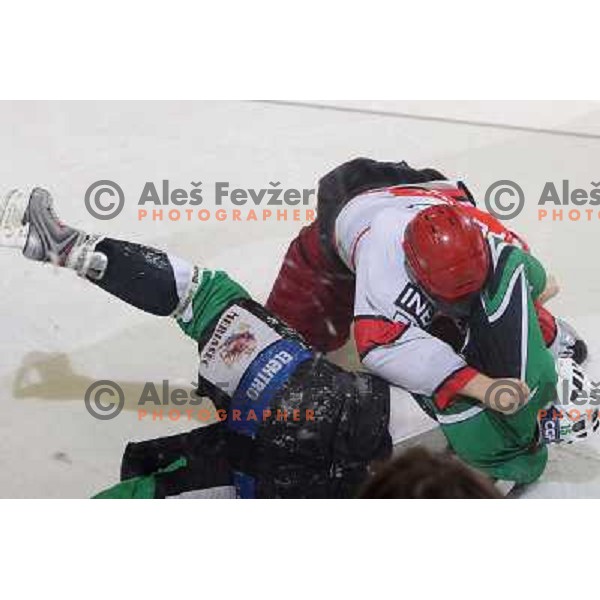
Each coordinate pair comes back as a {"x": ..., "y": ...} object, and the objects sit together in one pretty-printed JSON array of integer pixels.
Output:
[{"x": 396, "y": 252}]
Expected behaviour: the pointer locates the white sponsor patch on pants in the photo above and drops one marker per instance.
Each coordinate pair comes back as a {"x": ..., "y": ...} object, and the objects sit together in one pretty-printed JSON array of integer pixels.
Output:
[{"x": 237, "y": 340}]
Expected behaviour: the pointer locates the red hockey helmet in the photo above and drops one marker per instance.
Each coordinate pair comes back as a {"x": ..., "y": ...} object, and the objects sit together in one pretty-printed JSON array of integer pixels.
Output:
[{"x": 446, "y": 253}]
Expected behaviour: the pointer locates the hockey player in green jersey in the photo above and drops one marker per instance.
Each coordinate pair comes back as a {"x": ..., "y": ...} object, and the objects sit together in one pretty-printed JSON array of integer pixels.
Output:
[{"x": 491, "y": 287}]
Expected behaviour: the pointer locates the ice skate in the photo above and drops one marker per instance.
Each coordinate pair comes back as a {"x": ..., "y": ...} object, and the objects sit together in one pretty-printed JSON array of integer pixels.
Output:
[
  {"x": 35, "y": 228},
  {"x": 569, "y": 344},
  {"x": 48, "y": 239}
]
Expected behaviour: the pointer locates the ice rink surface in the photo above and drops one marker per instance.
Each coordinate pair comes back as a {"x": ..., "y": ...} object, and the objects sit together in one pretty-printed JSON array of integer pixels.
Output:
[{"x": 60, "y": 333}]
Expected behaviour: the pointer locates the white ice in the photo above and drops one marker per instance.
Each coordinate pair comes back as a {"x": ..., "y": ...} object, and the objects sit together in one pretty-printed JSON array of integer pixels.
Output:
[{"x": 60, "y": 333}]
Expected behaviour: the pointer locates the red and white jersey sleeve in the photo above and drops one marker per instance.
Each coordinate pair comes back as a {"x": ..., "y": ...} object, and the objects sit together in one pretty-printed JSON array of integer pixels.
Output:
[{"x": 391, "y": 312}]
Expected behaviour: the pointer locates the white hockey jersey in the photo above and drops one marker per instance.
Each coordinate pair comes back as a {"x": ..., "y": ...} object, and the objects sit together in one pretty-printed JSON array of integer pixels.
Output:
[{"x": 391, "y": 312}]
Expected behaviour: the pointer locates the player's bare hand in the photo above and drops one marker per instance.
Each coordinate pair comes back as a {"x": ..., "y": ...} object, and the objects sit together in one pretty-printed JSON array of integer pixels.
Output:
[
  {"x": 552, "y": 288},
  {"x": 507, "y": 396}
]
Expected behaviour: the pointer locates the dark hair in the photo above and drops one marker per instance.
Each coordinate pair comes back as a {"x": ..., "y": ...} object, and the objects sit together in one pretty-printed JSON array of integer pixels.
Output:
[{"x": 418, "y": 473}]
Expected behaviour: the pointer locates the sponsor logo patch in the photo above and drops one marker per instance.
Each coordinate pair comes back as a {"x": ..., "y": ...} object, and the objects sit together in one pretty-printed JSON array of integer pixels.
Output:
[
  {"x": 242, "y": 343},
  {"x": 413, "y": 304},
  {"x": 237, "y": 340},
  {"x": 267, "y": 373},
  {"x": 221, "y": 329}
]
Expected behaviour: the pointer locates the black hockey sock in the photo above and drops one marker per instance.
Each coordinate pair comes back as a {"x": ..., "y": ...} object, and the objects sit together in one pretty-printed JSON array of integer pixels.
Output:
[{"x": 139, "y": 275}]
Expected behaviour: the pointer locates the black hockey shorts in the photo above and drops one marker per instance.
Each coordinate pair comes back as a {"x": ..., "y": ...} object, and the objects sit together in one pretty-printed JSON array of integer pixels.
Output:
[{"x": 326, "y": 453}]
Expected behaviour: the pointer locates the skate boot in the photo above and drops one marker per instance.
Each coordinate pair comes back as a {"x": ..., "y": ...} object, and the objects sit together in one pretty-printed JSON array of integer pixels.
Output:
[
  {"x": 569, "y": 344},
  {"x": 51, "y": 240},
  {"x": 34, "y": 227}
]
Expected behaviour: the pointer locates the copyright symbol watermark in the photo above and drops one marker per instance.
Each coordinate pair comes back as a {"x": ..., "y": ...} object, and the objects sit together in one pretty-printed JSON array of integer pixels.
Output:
[
  {"x": 104, "y": 400},
  {"x": 506, "y": 396},
  {"x": 504, "y": 199},
  {"x": 100, "y": 199}
]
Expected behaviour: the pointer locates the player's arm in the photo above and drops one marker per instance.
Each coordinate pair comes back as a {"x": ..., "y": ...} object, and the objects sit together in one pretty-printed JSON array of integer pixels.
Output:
[
  {"x": 544, "y": 287},
  {"x": 389, "y": 339},
  {"x": 550, "y": 291},
  {"x": 509, "y": 398},
  {"x": 411, "y": 358}
]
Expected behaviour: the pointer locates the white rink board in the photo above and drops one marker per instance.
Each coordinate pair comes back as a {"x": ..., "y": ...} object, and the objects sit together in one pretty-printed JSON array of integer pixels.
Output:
[{"x": 59, "y": 333}]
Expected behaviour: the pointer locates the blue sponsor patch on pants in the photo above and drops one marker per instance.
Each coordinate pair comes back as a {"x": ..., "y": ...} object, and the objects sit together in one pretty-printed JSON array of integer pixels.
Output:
[{"x": 262, "y": 380}]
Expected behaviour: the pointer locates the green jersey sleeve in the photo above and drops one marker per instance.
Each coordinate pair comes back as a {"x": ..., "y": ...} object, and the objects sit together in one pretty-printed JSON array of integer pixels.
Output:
[
  {"x": 536, "y": 274},
  {"x": 214, "y": 292}
]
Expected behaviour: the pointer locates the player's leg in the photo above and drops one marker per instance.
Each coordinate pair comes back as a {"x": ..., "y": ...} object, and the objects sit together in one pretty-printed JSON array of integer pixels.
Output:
[
  {"x": 313, "y": 294},
  {"x": 194, "y": 464},
  {"x": 149, "y": 279}
]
